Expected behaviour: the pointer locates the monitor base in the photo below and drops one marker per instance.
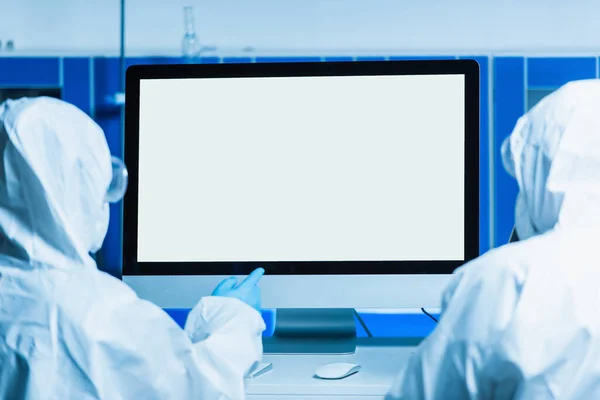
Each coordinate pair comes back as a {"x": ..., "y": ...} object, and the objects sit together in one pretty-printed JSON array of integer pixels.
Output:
[{"x": 312, "y": 331}]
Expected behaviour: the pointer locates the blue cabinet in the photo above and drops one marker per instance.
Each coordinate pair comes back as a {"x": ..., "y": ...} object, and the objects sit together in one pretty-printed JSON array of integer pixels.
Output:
[
  {"x": 509, "y": 86},
  {"x": 90, "y": 83},
  {"x": 77, "y": 83},
  {"x": 544, "y": 73},
  {"x": 509, "y": 105},
  {"x": 68, "y": 78},
  {"x": 286, "y": 59},
  {"x": 106, "y": 82},
  {"x": 30, "y": 71},
  {"x": 30, "y": 77},
  {"x": 519, "y": 83}
]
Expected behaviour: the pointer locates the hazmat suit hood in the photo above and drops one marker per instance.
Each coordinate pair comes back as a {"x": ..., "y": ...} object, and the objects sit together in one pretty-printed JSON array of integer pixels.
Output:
[
  {"x": 554, "y": 154},
  {"x": 55, "y": 170}
]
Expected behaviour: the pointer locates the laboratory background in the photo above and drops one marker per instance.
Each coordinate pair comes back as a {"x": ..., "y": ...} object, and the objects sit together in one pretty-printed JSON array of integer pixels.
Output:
[{"x": 79, "y": 50}]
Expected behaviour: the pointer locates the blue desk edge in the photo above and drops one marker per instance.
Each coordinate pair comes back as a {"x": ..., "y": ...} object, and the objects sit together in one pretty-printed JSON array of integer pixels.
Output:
[{"x": 380, "y": 325}]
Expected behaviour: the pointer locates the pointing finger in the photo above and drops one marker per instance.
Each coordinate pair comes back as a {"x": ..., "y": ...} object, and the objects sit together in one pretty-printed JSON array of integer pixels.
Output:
[{"x": 254, "y": 277}]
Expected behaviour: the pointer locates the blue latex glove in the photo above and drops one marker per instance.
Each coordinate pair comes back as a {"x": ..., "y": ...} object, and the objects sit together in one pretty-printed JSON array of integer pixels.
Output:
[{"x": 247, "y": 291}]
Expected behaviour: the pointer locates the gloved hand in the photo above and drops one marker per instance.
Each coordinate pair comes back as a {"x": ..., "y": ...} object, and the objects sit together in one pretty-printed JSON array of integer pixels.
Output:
[{"x": 247, "y": 291}]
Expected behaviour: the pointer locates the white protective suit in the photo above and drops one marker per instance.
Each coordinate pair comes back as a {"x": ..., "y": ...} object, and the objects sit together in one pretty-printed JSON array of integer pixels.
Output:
[
  {"x": 69, "y": 331},
  {"x": 523, "y": 321}
]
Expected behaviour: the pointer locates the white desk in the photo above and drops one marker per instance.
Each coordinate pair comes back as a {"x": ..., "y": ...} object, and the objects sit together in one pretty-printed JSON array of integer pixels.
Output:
[{"x": 292, "y": 376}]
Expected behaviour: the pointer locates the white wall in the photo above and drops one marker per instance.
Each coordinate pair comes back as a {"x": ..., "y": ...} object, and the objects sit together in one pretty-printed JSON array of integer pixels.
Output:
[
  {"x": 313, "y": 26},
  {"x": 49, "y": 26}
]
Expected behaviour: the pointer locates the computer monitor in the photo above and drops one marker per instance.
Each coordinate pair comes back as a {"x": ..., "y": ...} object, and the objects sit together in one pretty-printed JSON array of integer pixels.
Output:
[{"x": 354, "y": 184}]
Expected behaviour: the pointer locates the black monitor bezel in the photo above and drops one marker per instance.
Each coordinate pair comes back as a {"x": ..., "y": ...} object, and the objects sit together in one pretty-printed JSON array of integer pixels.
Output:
[{"x": 468, "y": 68}]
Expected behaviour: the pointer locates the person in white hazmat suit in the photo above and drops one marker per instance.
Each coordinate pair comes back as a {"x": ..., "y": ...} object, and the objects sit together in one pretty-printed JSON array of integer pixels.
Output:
[
  {"x": 523, "y": 320},
  {"x": 69, "y": 331}
]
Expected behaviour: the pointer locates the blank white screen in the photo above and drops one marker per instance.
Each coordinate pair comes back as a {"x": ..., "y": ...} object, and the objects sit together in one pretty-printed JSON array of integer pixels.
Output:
[{"x": 302, "y": 169}]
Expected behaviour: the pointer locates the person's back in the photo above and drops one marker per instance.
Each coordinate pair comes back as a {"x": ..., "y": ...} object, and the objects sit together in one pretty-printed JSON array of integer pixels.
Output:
[
  {"x": 62, "y": 340},
  {"x": 69, "y": 331},
  {"x": 521, "y": 322},
  {"x": 550, "y": 347},
  {"x": 529, "y": 327},
  {"x": 51, "y": 329}
]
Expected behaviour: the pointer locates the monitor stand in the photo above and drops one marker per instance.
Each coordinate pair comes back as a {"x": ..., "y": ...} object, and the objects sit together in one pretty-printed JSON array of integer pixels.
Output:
[{"x": 312, "y": 331}]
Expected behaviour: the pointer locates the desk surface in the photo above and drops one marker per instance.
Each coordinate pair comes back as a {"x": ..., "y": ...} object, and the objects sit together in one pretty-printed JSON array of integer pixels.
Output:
[{"x": 292, "y": 376}]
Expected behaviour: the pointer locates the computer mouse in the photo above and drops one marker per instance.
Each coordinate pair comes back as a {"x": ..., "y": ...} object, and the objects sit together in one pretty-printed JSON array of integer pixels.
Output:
[{"x": 336, "y": 370}]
